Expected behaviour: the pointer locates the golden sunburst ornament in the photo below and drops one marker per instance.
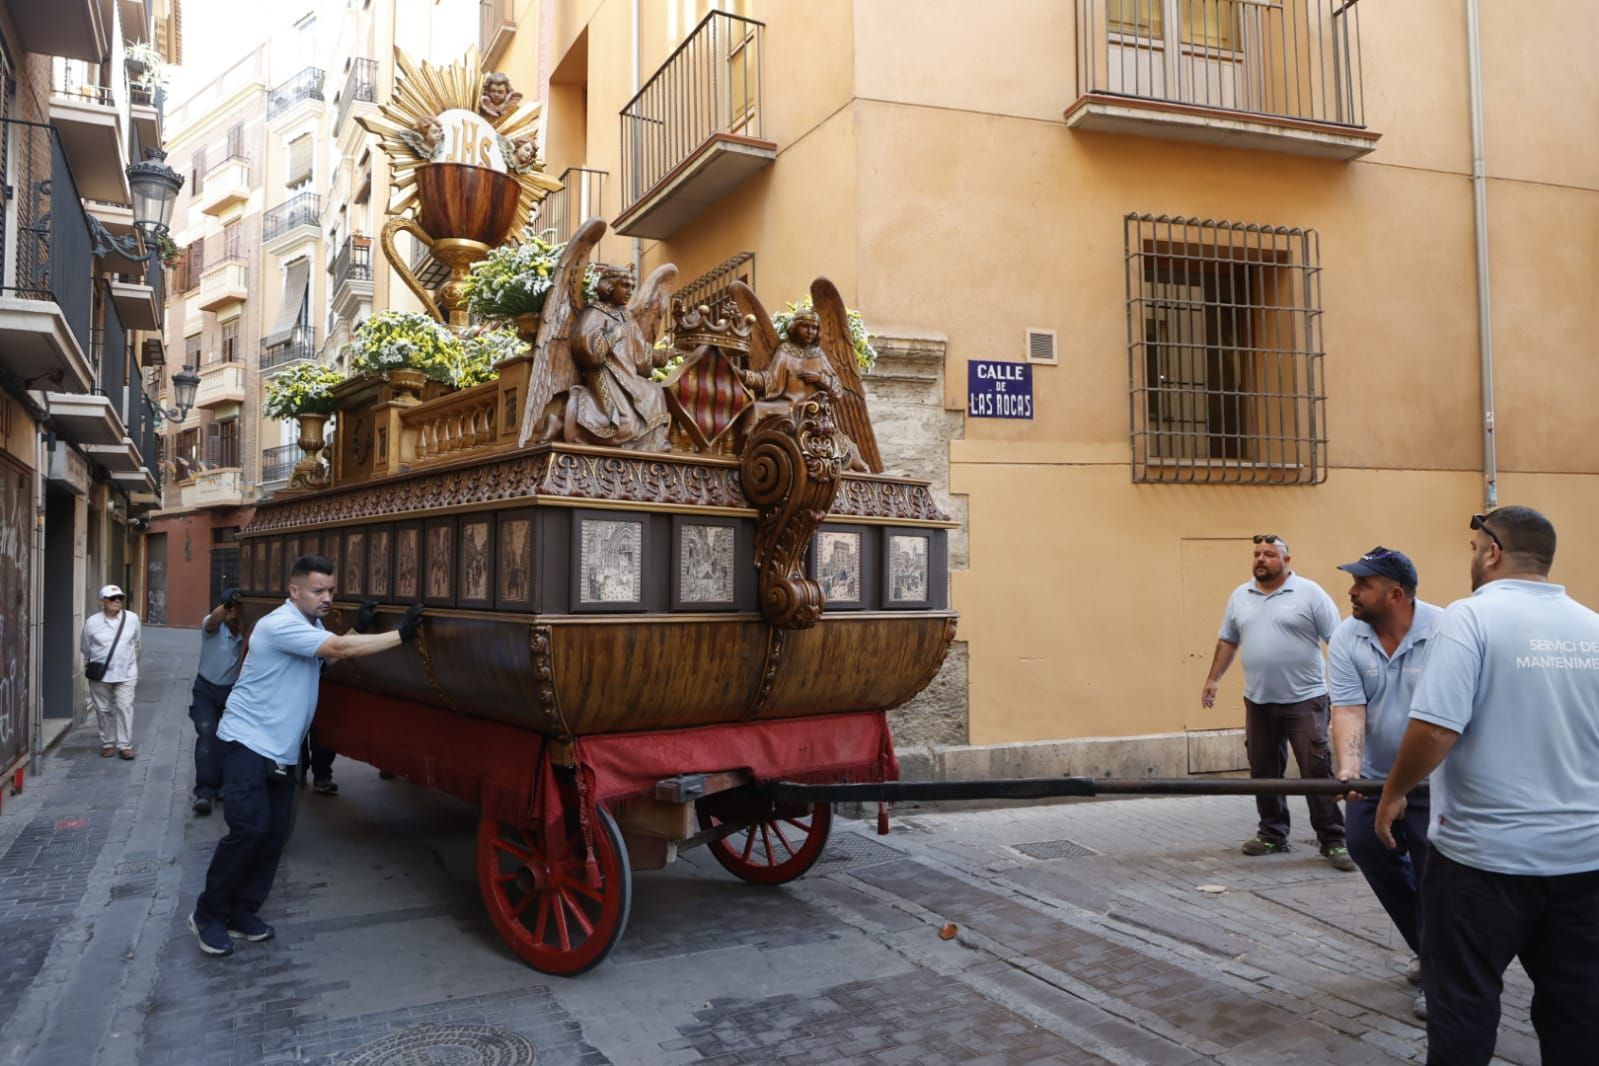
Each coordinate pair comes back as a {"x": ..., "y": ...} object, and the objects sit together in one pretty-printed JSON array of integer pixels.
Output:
[{"x": 459, "y": 114}]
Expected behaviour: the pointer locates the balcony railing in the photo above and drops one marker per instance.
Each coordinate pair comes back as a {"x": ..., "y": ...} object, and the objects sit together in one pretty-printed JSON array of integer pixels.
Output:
[
  {"x": 1284, "y": 59},
  {"x": 141, "y": 95},
  {"x": 44, "y": 233},
  {"x": 354, "y": 261},
  {"x": 300, "y": 345},
  {"x": 710, "y": 85},
  {"x": 278, "y": 463},
  {"x": 306, "y": 85},
  {"x": 109, "y": 345},
  {"x": 304, "y": 209},
  {"x": 144, "y": 435},
  {"x": 581, "y": 196},
  {"x": 69, "y": 87},
  {"x": 361, "y": 85}
]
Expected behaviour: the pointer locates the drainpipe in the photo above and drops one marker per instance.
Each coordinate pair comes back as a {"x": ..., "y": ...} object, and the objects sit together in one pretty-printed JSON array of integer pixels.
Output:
[
  {"x": 638, "y": 244},
  {"x": 1479, "y": 192}
]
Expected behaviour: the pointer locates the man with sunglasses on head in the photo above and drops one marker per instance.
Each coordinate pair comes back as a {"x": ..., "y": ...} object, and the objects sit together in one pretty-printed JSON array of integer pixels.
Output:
[
  {"x": 1508, "y": 705},
  {"x": 1278, "y": 621},
  {"x": 1375, "y": 659},
  {"x": 110, "y": 646}
]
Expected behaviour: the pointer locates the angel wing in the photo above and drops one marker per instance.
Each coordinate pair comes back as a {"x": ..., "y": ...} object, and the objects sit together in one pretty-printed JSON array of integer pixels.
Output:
[
  {"x": 850, "y": 410},
  {"x": 651, "y": 306},
  {"x": 763, "y": 338},
  {"x": 553, "y": 368}
]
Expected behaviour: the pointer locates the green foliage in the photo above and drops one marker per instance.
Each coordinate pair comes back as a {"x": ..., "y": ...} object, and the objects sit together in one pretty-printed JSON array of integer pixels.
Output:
[
  {"x": 859, "y": 335},
  {"x": 515, "y": 279},
  {"x": 302, "y": 389},
  {"x": 168, "y": 249},
  {"x": 481, "y": 348},
  {"x": 410, "y": 340}
]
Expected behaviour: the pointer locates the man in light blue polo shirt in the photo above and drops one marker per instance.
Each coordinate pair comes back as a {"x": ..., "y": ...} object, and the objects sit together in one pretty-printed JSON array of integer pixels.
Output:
[
  {"x": 1508, "y": 703},
  {"x": 221, "y": 653},
  {"x": 1375, "y": 658},
  {"x": 1278, "y": 622},
  {"x": 268, "y": 713}
]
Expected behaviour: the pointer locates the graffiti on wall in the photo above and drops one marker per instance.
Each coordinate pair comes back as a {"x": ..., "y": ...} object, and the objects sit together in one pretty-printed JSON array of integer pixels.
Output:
[{"x": 15, "y": 557}]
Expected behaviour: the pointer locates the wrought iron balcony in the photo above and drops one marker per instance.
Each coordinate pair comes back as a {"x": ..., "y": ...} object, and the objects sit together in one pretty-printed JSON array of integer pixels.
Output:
[
  {"x": 278, "y": 463},
  {"x": 581, "y": 196},
  {"x": 695, "y": 130},
  {"x": 300, "y": 345},
  {"x": 303, "y": 209},
  {"x": 45, "y": 262},
  {"x": 354, "y": 261},
  {"x": 360, "y": 86},
  {"x": 1283, "y": 75},
  {"x": 306, "y": 85}
]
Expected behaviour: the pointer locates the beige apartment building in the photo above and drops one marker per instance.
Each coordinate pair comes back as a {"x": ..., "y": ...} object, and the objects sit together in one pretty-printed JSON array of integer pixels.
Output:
[
  {"x": 80, "y": 330},
  {"x": 1233, "y": 245}
]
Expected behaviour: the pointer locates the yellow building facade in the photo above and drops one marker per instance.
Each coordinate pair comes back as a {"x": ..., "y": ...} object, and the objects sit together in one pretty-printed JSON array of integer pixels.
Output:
[{"x": 967, "y": 177}]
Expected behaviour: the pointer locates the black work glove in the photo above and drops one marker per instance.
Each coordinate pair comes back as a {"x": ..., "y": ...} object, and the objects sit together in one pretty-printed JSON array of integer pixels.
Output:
[
  {"x": 232, "y": 597},
  {"x": 411, "y": 625},
  {"x": 366, "y": 616}
]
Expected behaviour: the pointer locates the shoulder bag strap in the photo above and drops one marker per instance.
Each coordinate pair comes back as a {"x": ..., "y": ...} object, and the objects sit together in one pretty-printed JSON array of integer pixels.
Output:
[{"x": 116, "y": 638}]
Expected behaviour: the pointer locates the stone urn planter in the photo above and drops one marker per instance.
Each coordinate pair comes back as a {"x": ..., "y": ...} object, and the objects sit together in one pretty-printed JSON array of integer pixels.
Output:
[
  {"x": 527, "y": 327},
  {"x": 309, "y": 473},
  {"x": 406, "y": 383}
]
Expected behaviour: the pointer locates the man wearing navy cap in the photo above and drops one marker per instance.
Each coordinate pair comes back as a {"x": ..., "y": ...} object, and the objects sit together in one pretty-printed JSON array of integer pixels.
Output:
[{"x": 1376, "y": 658}]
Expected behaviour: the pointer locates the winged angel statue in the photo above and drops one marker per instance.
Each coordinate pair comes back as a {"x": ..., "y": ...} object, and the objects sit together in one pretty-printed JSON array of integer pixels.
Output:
[
  {"x": 817, "y": 356},
  {"x": 590, "y": 382}
]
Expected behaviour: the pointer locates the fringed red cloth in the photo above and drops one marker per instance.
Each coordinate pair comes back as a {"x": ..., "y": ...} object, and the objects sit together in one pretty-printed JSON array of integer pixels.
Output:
[{"x": 508, "y": 773}]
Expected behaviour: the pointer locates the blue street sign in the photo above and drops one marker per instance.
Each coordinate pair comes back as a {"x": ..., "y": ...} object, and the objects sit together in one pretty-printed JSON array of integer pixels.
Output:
[{"x": 999, "y": 388}]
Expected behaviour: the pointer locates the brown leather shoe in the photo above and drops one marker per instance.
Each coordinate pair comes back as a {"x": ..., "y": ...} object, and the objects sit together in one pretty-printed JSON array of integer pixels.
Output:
[
  {"x": 126, "y": 753},
  {"x": 108, "y": 750}
]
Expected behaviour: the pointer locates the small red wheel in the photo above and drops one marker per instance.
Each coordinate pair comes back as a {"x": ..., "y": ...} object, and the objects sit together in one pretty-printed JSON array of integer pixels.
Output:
[
  {"x": 544, "y": 908},
  {"x": 783, "y": 844}
]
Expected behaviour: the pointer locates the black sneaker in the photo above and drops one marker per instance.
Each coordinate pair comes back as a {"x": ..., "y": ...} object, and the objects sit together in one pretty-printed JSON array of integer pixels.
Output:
[
  {"x": 244, "y": 926},
  {"x": 202, "y": 806},
  {"x": 1259, "y": 845},
  {"x": 325, "y": 786},
  {"x": 213, "y": 937}
]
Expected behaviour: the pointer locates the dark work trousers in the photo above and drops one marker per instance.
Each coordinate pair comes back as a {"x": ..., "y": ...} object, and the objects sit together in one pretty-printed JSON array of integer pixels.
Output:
[
  {"x": 205, "y": 711},
  {"x": 319, "y": 759},
  {"x": 1477, "y": 922},
  {"x": 257, "y": 806},
  {"x": 1395, "y": 876},
  {"x": 1270, "y": 729}
]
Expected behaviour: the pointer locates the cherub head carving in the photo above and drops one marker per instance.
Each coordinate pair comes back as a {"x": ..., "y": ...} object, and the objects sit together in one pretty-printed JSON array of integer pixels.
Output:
[
  {"x": 432, "y": 133},
  {"x": 498, "y": 98},
  {"x": 524, "y": 151}
]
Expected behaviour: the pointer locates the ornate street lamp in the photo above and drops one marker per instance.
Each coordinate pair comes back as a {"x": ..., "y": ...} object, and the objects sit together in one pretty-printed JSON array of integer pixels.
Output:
[
  {"x": 155, "y": 192},
  {"x": 184, "y": 384}
]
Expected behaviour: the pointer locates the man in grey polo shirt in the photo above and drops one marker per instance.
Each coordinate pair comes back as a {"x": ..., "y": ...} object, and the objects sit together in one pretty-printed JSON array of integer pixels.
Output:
[
  {"x": 1508, "y": 703},
  {"x": 1278, "y": 621},
  {"x": 1376, "y": 657}
]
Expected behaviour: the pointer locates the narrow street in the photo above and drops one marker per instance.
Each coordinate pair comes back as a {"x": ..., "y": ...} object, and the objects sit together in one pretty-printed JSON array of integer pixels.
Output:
[{"x": 1081, "y": 937}]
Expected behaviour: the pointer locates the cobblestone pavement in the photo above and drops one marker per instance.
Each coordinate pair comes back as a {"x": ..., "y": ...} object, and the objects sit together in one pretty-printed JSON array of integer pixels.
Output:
[{"x": 1081, "y": 937}]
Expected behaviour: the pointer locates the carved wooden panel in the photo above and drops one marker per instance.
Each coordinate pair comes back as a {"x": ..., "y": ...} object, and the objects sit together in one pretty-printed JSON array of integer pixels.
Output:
[
  {"x": 379, "y": 561},
  {"x": 438, "y": 562},
  {"x": 352, "y": 576},
  {"x": 514, "y": 573},
  {"x": 475, "y": 586},
  {"x": 408, "y": 562}
]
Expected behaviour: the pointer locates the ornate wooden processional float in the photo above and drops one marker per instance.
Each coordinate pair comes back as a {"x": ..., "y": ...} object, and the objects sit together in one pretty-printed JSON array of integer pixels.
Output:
[{"x": 626, "y": 630}]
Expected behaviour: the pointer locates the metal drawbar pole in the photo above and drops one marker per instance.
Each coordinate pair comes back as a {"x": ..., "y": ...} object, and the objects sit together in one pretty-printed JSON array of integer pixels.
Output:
[{"x": 1052, "y": 787}]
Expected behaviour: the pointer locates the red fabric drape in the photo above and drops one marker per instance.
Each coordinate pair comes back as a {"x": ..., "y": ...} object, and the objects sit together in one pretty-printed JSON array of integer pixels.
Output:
[{"x": 508, "y": 772}]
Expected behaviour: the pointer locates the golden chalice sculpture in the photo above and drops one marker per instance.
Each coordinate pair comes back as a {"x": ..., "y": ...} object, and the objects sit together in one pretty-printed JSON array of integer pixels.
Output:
[{"x": 466, "y": 172}]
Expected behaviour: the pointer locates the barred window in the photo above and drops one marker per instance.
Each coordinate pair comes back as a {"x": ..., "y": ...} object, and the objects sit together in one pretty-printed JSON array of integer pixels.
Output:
[{"x": 1224, "y": 352}]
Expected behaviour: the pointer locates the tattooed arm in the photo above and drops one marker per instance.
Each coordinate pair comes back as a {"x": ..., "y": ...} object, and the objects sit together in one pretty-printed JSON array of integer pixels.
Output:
[{"x": 1348, "y": 740}]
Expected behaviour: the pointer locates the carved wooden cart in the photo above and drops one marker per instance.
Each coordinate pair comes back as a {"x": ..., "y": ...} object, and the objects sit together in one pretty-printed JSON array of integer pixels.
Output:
[{"x": 595, "y": 668}]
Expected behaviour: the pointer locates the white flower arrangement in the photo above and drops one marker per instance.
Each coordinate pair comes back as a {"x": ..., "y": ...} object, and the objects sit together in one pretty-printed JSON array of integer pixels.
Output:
[{"x": 394, "y": 340}]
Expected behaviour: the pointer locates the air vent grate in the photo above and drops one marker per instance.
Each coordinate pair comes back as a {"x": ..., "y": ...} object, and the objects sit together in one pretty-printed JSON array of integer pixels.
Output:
[{"x": 1041, "y": 346}]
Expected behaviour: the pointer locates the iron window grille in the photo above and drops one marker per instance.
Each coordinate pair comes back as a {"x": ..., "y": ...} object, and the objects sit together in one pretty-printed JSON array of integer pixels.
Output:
[
  {"x": 1224, "y": 352},
  {"x": 714, "y": 286}
]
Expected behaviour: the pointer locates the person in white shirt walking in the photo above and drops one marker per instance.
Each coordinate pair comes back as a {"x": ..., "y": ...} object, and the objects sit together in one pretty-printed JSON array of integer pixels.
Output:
[{"x": 110, "y": 647}]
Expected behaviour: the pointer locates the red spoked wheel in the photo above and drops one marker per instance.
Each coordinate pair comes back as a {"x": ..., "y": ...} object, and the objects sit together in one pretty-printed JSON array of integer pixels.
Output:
[
  {"x": 774, "y": 845},
  {"x": 542, "y": 903}
]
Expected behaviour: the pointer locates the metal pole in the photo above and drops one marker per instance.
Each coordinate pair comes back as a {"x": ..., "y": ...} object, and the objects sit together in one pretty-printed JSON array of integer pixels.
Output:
[
  {"x": 1058, "y": 787},
  {"x": 1479, "y": 194}
]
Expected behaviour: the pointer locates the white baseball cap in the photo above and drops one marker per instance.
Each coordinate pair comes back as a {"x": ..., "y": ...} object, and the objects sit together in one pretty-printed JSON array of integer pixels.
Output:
[{"x": 107, "y": 591}]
